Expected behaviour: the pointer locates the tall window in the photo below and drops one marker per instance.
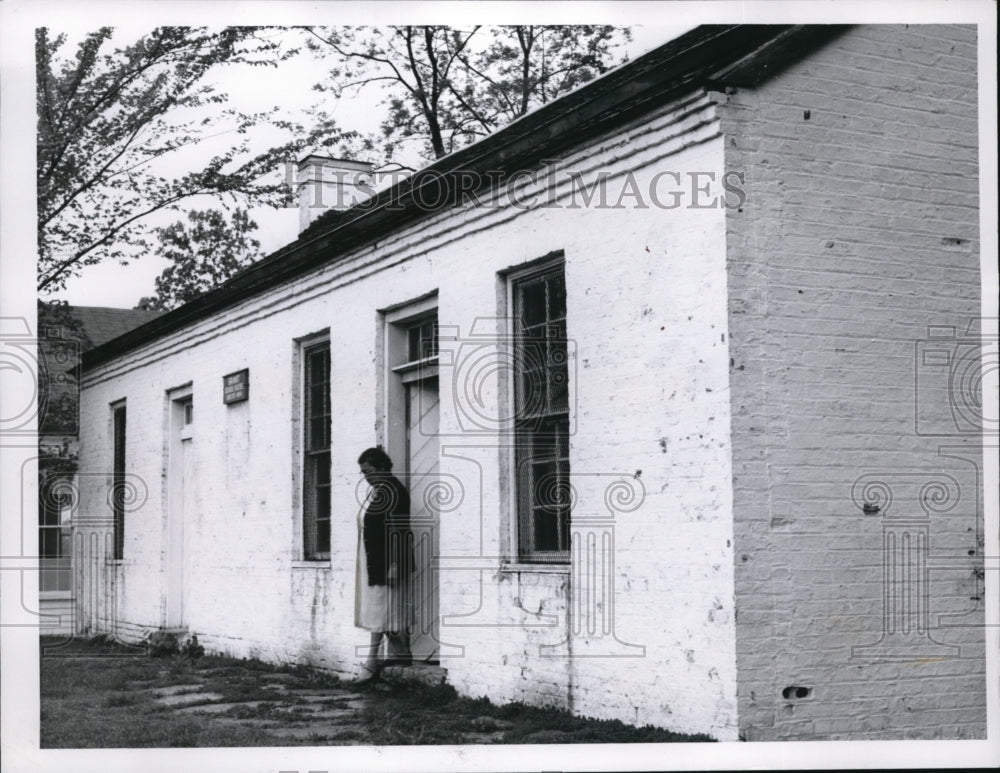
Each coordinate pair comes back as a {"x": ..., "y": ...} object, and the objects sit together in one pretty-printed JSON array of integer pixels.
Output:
[
  {"x": 541, "y": 415},
  {"x": 118, "y": 493},
  {"x": 54, "y": 535},
  {"x": 316, "y": 477}
]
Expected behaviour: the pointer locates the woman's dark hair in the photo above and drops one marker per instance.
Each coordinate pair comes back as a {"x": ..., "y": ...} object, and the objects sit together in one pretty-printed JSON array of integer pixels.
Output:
[{"x": 376, "y": 457}]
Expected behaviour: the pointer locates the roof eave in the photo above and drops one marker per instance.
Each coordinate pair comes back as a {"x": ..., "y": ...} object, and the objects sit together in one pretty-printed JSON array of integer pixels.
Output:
[{"x": 679, "y": 66}]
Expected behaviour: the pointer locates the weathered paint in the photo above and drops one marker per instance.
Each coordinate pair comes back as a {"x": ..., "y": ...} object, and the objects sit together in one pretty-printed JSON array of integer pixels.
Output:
[
  {"x": 638, "y": 279},
  {"x": 861, "y": 165},
  {"x": 735, "y": 373}
]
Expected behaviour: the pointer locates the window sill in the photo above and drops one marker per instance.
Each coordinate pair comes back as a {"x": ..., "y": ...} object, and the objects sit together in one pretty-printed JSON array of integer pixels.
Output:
[
  {"x": 55, "y": 595},
  {"x": 114, "y": 562},
  {"x": 539, "y": 568},
  {"x": 320, "y": 563}
]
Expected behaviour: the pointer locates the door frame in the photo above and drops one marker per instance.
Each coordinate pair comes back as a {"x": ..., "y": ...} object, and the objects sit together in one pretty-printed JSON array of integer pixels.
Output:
[
  {"x": 391, "y": 352},
  {"x": 395, "y": 376},
  {"x": 174, "y": 532}
]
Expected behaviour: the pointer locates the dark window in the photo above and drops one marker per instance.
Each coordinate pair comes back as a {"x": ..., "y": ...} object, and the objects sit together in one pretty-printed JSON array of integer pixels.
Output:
[
  {"x": 118, "y": 492},
  {"x": 316, "y": 492},
  {"x": 541, "y": 416},
  {"x": 422, "y": 340}
]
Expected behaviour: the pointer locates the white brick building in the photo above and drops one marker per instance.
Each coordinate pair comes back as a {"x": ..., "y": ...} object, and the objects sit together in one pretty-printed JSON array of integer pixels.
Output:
[{"x": 776, "y": 521}]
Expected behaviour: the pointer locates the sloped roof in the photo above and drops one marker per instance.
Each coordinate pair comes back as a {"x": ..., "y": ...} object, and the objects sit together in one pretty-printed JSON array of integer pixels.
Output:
[
  {"x": 103, "y": 323},
  {"x": 707, "y": 56},
  {"x": 59, "y": 363}
]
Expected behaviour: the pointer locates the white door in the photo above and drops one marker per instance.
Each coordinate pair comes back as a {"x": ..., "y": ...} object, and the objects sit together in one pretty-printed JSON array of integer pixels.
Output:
[
  {"x": 181, "y": 486},
  {"x": 422, "y": 411}
]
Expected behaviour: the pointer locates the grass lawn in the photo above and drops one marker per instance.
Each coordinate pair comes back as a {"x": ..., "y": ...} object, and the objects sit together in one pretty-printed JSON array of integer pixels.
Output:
[{"x": 96, "y": 694}]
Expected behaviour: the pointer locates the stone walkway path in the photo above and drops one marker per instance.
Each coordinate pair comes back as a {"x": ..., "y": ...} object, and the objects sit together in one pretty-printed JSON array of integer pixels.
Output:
[{"x": 286, "y": 708}]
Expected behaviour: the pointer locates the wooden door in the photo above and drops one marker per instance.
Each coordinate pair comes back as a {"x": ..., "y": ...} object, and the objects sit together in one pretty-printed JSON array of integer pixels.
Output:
[{"x": 423, "y": 449}]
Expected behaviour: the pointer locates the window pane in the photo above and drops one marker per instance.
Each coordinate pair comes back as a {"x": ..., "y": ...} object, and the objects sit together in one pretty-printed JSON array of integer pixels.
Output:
[
  {"x": 316, "y": 477},
  {"x": 323, "y": 513},
  {"x": 322, "y": 537},
  {"x": 545, "y": 483},
  {"x": 413, "y": 344},
  {"x": 556, "y": 334},
  {"x": 532, "y": 311},
  {"x": 49, "y": 512},
  {"x": 47, "y": 578},
  {"x": 422, "y": 340},
  {"x": 118, "y": 483},
  {"x": 322, "y": 469},
  {"x": 564, "y": 538},
  {"x": 431, "y": 339},
  {"x": 318, "y": 434},
  {"x": 316, "y": 358},
  {"x": 48, "y": 543},
  {"x": 557, "y": 298},
  {"x": 542, "y": 405},
  {"x": 558, "y": 384},
  {"x": 563, "y": 442},
  {"x": 545, "y": 438},
  {"x": 546, "y": 529},
  {"x": 316, "y": 391},
  {"x": 426, "y": 340},
  {"x": 533, "y": 349},
  {"x": 531, "y": 394}
]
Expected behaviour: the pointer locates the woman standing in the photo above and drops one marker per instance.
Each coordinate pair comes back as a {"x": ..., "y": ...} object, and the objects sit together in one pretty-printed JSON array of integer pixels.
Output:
[{"x": 384, "y": 564}]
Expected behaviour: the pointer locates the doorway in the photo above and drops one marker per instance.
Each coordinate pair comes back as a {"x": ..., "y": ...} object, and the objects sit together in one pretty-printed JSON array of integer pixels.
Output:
[
  {"x": 422, "y": 454},
  {"x": 412, "y": 424},
  {"x": 180, "y": 479}
]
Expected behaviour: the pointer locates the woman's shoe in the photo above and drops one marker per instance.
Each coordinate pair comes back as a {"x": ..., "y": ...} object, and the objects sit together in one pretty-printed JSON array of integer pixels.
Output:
[
  {"x": 368, "y": 678},
  {"x": 360, "y": 685}
]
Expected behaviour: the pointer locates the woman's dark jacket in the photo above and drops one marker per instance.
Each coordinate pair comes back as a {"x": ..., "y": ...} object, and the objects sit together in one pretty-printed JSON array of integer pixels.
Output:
[{"x": 386, "y": 528}]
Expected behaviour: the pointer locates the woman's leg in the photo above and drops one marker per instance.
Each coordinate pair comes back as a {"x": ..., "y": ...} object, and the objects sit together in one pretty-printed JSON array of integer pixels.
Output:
[
  {"x": 399, "y": 648},
  {"x": 371, "y": 667}
]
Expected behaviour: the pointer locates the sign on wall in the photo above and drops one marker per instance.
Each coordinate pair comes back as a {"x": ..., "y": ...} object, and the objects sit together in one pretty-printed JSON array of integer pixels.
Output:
[{"x": 236, "y": 387}]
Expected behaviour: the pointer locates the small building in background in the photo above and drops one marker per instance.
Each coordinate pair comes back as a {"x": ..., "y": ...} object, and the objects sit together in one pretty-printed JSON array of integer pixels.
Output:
[{"x": 65, "y": 333}]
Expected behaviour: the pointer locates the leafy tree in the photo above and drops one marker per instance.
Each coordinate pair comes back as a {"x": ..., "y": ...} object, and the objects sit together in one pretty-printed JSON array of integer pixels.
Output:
[
  {"x": 203, "y": 253},
  {"x": 447, "y": 87},
  {"x": 124, "y": 130},
  {"x": 526, "y": 66},
  {"x": 113, "y": 119}
]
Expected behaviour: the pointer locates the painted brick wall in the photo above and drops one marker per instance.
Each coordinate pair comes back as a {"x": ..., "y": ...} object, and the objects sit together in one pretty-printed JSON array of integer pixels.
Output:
[
  {"x": 860, "y": 230},
  {"x": 650, "y": 451},
  {"x": 651, "y": 420}
]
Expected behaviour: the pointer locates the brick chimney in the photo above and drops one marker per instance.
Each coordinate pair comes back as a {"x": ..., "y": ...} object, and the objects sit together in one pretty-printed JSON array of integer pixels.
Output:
[{"x": 330, "y": 183}]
